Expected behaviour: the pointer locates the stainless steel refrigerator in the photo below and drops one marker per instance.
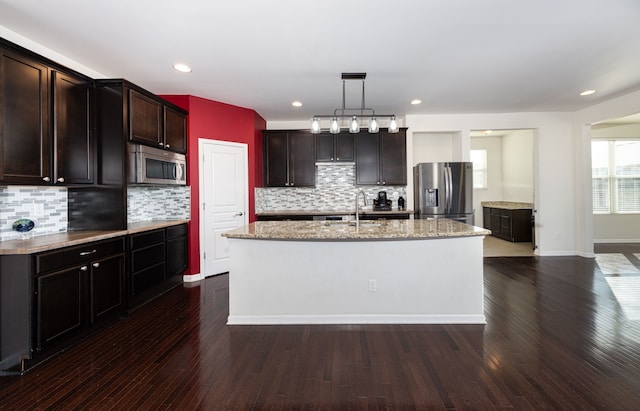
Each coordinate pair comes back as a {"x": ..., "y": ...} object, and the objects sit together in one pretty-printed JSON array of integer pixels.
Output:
[{"x": 444, "y": 190}]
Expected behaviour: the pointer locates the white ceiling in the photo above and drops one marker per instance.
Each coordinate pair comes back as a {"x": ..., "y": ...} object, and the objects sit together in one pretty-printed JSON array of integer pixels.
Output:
[{"x": 457, "y": 56}]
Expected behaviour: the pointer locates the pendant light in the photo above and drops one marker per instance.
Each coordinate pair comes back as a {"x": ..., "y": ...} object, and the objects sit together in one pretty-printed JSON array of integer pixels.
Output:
[
  {"x": 355, "y": 119},
  {"x": 354, "y": 126},
  {"x": 393, "y": 125},
  {"x": 334, "y": 128},
  {"x": 315, "y": 125},
  {"x": 373, "y": 125}
]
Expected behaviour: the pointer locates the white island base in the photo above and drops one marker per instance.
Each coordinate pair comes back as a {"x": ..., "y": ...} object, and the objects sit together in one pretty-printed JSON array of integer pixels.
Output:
[{"x": 416, "y": 281}]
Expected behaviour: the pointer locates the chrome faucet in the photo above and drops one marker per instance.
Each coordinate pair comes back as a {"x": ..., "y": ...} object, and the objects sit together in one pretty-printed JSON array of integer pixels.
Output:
[{"x": 364, "y": 197}]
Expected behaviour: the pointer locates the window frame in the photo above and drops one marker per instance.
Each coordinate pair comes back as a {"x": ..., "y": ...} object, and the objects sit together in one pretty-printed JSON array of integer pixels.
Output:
[{"x": 612, "y": 178}]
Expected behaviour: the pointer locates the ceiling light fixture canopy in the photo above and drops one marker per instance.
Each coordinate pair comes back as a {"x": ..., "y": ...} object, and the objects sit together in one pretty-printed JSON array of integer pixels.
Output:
[{"x": 356, "y": 115}]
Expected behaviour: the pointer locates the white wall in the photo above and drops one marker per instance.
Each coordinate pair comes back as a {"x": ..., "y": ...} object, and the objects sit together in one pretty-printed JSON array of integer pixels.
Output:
[
  {"x": 493, "y": 192},
  {"x": 433, "y": 147},
  {"x": 517, "y": 166}
]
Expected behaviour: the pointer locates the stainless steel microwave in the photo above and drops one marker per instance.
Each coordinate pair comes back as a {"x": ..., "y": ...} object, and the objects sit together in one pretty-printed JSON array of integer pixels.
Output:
[{"x": 149, "y": 165}]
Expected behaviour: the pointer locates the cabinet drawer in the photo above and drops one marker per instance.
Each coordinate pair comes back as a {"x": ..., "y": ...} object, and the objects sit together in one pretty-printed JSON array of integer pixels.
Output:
[
  {"x": 176, "y": 231},
  {"x": 146, "y": 257},
  {"x": 146, "y": 238},
  {"x": 53, "y": 260}
]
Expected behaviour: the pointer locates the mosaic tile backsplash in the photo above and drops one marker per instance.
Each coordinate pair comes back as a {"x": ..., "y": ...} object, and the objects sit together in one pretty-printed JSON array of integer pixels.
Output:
[
  {"x": 46, "y": 206},
  {"x": 158, "y": 203},
  {"x": 335, "y": 190}
]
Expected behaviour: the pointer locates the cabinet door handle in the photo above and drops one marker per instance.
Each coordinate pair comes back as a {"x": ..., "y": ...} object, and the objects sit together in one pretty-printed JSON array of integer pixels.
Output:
[
  {"x": 88, "y": 252},
  {"x": 84, "y": 268},
  {"x": 60, "y": 180},
  {"x": 238, "y": 214},
  {"x": 95, "y": 265},
  {"x": 46, "y": 179}
]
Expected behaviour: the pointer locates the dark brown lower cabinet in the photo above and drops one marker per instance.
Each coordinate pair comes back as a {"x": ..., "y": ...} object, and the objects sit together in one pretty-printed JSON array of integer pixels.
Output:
[
  {"x": 509, "y": 224},
  {"x": 61, "y": 304},
  {"x": 49, "y": 300},
  {"x": 76, "y": 288},
  {"x": 177, "y": 250},
  {"x": 157, "y": 261}
]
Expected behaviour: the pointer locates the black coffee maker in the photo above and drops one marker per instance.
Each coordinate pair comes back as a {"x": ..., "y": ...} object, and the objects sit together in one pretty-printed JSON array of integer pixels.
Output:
[{"x": 381, "y": 203}]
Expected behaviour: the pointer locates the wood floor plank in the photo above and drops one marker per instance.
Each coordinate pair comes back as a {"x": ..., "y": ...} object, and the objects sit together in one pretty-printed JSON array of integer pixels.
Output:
[{"x": 555, "y": 338}]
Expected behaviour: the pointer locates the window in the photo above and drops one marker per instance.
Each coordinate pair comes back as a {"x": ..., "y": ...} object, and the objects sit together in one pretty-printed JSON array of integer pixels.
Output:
[
  {"x": 615, "y": 176},
  {"x": 479, "y": 159}
]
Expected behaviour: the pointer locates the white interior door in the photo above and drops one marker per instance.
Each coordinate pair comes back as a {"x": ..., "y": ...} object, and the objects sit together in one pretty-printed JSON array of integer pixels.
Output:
[{"x": 224, "y": 190}]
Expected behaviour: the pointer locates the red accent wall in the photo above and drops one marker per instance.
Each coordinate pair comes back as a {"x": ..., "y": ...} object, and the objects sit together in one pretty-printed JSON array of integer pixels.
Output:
[{"x": 218, "y": 121}]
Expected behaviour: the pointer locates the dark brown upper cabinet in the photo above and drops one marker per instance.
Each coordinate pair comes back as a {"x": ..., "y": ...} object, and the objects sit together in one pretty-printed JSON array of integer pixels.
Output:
[
  {"x": 74, "y": 155},
  {"x": 288, "y": 159},
  {"x": 145, "y": 119},
  {"x": 381, "y": 158},
  {"x": 45, "y": 131},
  {"x": 154, "y": 123},
  {"x": 335, "y": 147},
  {"x": 175, "y": 130},
  {"x": 25, "y": 156}
]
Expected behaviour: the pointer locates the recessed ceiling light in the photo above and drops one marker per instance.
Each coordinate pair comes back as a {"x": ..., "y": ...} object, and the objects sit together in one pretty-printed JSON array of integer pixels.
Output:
[
  {"x": 183, "y": 68},
  {"x": 416, "y": 101},
  {"x": 296, "y": 104},
  {"x": 587, "y": 92}
]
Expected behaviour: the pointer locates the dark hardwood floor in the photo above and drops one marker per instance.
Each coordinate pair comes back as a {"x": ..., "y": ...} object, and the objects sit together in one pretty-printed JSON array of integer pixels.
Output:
[{"x": 556, "y": 338}]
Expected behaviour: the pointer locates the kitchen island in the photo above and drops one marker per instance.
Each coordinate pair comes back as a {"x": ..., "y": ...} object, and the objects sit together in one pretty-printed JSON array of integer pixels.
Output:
[{"x": 325, "y": 272}]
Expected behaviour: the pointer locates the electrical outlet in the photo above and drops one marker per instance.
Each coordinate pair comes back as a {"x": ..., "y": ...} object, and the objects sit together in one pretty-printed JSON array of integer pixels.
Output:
[
  {"x": 38, "y": 210},
  {"x": 372, "y": 286}
]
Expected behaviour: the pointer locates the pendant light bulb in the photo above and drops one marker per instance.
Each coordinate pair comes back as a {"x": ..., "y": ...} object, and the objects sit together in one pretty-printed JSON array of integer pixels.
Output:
[
  {"x": 393, "y": 125},
  {"x": 315, "y": 126},
  {"x": 334, "y": 128},
  {"x": 373, "y": 125},
  {"x": 354, "y": 127}
]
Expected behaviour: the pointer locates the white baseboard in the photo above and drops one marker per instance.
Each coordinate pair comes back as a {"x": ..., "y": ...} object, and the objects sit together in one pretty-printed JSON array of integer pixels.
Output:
[
  {"x": 616, "y": 241},
  {"x": 355, "y": 319},
  {"x": 192, "y": 278}
]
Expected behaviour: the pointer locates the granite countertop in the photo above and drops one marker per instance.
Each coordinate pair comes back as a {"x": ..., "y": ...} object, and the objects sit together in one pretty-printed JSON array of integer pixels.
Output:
[
  {"x": 55, "y": 241},
  {"x": 365, "y": 210},
  {"x": 507, "y": 205},
  {"x": 368, "y": 230}
]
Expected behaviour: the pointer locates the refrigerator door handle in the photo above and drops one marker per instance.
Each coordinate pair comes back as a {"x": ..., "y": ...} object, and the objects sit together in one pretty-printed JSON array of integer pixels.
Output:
[{"x": 448, "y": 187}]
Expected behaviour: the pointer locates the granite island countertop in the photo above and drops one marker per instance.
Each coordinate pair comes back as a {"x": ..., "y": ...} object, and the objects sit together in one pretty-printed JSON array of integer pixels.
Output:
[
  {"x": 507, "y": 205},
  {"x": 347, "y": 231},
  {"x": 69, "y": 238}
]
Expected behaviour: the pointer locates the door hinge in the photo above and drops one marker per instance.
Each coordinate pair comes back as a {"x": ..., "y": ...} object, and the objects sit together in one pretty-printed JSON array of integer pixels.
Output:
[
  {"x": 203, "y": 207},
  {"x": 204, "y": 256}
]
